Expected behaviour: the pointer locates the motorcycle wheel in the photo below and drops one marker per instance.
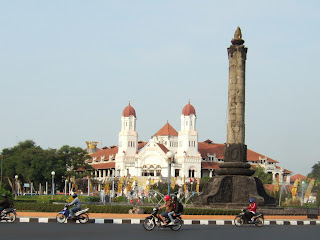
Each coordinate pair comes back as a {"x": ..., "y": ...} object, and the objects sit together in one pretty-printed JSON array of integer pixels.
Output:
[
  {"x": 259, "y": 222},
  {"x": 149, "y": 224},
  {"x": 61, "y": 218},
  {"x": 83, "y": 218},
  {"x": 177, "y": 225},
  {"x": 238, "y": 221},
  {"x": 10, "y": 217}
]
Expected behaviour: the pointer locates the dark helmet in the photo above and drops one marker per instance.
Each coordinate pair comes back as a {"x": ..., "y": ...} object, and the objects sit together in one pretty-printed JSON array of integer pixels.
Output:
[
  {"x": 251, "y": 200},
  {"x": 174, "y": 198},
  {"x": 74, "y": 195},
  {"x": 4, "y": 195}
]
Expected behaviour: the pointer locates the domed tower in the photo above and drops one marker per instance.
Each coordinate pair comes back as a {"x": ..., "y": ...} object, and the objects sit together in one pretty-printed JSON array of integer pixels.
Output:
[
  {"x": 128, "y": 137},
  {"x": 188, "y": 136}
]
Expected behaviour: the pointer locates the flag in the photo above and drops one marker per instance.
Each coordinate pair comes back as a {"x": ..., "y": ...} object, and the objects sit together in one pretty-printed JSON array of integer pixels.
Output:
[
  {"x": 106, "y": 188},
  {"x": 294, "y": 188},
  {"x": 309, "y": 188},
  {"x": 198, "y": 185},
  {"x": 147, "y": 191},
  {"x": 276, "y": 186},
  {"x": 173, "y": 182}
]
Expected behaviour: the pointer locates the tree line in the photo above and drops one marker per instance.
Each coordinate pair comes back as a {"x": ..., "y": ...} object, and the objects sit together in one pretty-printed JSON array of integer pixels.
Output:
[{"x": 31, "y": 163}]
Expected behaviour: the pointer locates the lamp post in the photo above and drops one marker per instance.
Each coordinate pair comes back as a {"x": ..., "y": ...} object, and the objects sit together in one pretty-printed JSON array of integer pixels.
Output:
[
  {"x": 170, "y": 156},
  {"x": 16, "y": 186},
  {"x": 1, "y": 167},
  {"x": 302, "y": 193},
  {"x": 52, "y": 174}
]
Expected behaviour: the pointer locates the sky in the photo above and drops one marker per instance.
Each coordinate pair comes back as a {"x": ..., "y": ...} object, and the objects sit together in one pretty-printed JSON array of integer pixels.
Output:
[{"x": 69, "y": 68}]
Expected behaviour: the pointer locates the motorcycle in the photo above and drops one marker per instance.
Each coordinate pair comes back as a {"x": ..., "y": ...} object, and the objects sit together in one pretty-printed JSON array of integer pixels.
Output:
[
  {"x": 258, "y": 219},
  {"x": 154, "y": 220},
  {"x": 8, "y": 215},
  {"x": 81, "y": 215}
]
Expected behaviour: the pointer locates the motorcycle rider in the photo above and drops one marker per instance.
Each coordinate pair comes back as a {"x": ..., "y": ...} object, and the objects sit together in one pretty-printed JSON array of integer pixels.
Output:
[
  {"x": 175, "y": 209},
  {"x": 253, "y": 208},
  {"x": 4, "y": 203},
  {"x": 77, "y": 205},
  {"x": 168, "y": 206}
]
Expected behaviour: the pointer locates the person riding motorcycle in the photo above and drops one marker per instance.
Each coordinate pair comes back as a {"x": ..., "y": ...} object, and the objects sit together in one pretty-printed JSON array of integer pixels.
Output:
[
  {"x": 77, "y": 205},
  {"x": 168, "y": 206},
  {"x": 253, "y": 208},
  {"x": 4, "y": 203},
  {"x": 175, "y": 209}
]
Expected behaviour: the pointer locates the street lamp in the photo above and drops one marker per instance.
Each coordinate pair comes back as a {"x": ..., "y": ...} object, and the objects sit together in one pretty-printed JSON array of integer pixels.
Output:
[
  {"x": 52, "y": 174},
  {"x": 302, "y": 193},
  {"x": 170, "y": 156},
  {"x": 16, "y": 186},
  {"x": 1, "y": 167}
]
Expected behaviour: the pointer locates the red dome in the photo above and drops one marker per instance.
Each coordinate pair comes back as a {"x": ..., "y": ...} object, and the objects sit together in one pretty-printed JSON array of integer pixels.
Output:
[
  {"x": 129, "y": 111},
  {"x": 188, "y": 110}
]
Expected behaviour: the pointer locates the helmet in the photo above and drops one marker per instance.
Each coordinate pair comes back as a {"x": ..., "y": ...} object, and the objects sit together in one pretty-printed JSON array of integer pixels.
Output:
[
  {"x": 251, "y": 200},
  {"x": 74, "y": 195},
  {"x": 166, "y": 198},
  {"x": 4, "y": 195},
  {"x": 174, "y": 198}
]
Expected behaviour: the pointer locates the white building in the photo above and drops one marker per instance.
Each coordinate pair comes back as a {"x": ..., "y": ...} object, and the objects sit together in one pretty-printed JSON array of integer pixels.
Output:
[{"x": 192, "y": 159}]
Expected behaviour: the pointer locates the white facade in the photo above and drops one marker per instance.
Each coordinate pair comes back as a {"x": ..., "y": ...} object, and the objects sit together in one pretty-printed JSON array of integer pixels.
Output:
[{"x": 151, "y": 159}]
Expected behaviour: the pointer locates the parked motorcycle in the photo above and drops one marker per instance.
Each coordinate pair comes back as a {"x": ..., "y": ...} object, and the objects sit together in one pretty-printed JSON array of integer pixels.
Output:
[
  {"x": 154, "y": 220},
  {"x": 81, "y": 215},
  {"x": 241, "y": 219},
  {"x": 8, "y": 215}
]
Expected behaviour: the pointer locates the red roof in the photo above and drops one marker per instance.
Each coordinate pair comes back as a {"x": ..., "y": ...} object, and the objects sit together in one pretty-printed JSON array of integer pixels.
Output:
[
  {"x": 163, "y": 147},
  {"x": 297, "y": 176},
  {"x": 129, "y": 111},
  {"x": 105, "y": 152},
  {"x": 167, "y": 130},
  {"x": 188, "y": 110},
  {"x": 211, "y": 148},
  {"x": 104, "y": 165},
  {"x": 208, "y": 147},
  {"x": 253, "y": 156},
  {"x": 209, "y": 165}
]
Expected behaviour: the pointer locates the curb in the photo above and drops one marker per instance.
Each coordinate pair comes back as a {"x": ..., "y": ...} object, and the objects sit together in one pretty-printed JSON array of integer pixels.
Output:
[{"x": 186, "y": 221}]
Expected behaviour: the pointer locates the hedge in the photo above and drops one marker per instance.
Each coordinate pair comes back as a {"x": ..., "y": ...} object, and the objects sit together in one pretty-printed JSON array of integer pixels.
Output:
[{"x": 48, "y": 207}]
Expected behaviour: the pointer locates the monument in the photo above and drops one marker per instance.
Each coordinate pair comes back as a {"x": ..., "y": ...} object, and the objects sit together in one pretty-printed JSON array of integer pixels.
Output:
[{"x": 234, "y": 184}]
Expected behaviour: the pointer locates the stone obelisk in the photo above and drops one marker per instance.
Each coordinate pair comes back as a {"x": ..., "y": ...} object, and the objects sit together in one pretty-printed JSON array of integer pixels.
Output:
[
  {"x": 235, "y": 153},
  {"x": 234, "y": 184}
]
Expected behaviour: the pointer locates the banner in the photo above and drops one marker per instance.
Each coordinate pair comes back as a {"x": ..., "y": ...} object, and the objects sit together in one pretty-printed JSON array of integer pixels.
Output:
[
  {"x": 107, "y": 188},
  {"x": 198, "y": 185},
  {"x": 185, "y": 186},
  {"x": 173, "y": 182},
  {"x": 309, "y": 188},
  {"x": 294, "y": 188},
  {"x": 276, "y": 185},
  {"x": 146, "y": 191}
]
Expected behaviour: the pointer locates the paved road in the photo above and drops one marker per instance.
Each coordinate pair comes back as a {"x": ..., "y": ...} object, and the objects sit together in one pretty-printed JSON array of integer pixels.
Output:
[{"x": 34, "y": 231}]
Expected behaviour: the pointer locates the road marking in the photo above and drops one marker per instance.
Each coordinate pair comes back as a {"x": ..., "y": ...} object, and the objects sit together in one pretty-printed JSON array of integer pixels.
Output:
[
  {"x": 117, "y": 221},
  {"x": 43, "y": 220},
  {"x": 220, "y": 222},
  {"x": 204, "y": 222},
  {"x": 24, "y": 219},
  {"x": 99, "y": 221},
  {"x": 135, "y": 221}
]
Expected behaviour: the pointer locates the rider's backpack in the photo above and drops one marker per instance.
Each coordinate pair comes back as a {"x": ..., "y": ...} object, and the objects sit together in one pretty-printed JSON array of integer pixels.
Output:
[{"x": 180, "y": 207}]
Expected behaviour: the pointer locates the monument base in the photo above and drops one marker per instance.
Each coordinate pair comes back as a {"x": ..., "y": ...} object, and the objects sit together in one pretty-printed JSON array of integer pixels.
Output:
[{"x": 234, "y": 190}]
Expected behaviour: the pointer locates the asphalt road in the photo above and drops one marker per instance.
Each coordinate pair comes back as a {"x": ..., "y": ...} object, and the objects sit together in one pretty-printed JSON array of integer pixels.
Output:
[{"x": 17, "y": 231}]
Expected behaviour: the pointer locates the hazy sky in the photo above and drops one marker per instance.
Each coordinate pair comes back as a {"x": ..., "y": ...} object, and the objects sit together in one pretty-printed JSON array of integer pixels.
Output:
[{"x": 69, "y": 68}]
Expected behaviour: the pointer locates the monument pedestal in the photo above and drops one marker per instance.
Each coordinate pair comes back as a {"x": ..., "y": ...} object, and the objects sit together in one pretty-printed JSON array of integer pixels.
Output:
[
  {"x": 235, "y": 190},
  {"x": 234, "y": 184}
]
